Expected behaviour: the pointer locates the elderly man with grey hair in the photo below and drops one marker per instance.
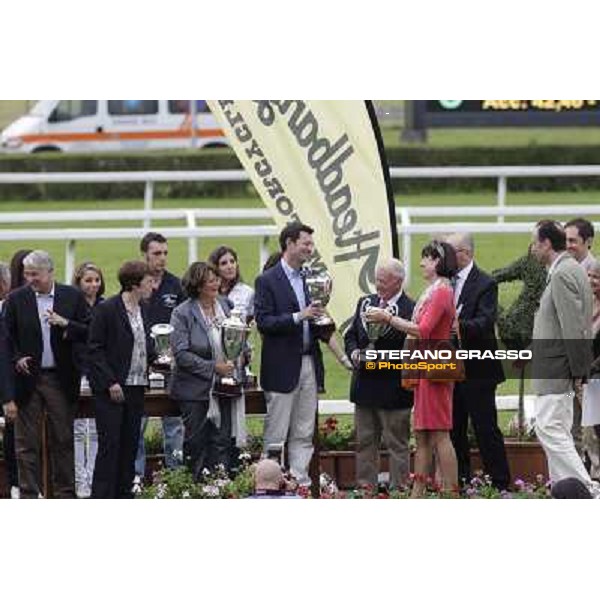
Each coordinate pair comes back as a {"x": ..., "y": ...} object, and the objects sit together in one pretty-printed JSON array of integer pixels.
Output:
[
  {"x": 476, "y": 301},
  {"x": 382, "y": 407},
  {"x": 44, "y": 320}
]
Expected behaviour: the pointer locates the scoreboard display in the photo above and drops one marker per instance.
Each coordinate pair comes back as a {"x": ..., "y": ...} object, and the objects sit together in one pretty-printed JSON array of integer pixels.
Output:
[{"x": 490, "y": 113}]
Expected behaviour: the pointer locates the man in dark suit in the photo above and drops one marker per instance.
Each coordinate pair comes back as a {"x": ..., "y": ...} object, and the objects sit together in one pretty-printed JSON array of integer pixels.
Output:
[
  {"x": 43, "y": 320},
  {"x": 382, "y": 406},
  {"x": 8, "y": 407},
  {"x": 476, "y": 300},
  {"x": 287, "y": 374}
]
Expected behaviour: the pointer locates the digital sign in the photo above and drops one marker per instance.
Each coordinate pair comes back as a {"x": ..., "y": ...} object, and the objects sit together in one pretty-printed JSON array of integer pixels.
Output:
[{"x": 491, "y": 113}]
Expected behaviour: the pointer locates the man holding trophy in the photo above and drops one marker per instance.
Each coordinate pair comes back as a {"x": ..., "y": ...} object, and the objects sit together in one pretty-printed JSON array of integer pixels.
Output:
[
  {"x": 382, "y": 406},
  {"x": 284, "y": 317}
]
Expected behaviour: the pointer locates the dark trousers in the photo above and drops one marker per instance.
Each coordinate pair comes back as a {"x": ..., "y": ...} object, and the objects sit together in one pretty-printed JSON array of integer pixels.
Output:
[
  {"x": 60, "y": 411},
  {"x": 118, "y": 425},
  {"x": 204, "y": 445},
  {"x": 10, "y": 455},
  {"x": 477, "y": 400}
]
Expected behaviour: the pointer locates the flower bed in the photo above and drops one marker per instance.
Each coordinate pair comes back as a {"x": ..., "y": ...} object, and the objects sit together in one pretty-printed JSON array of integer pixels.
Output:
[{"x": 480, "y": 488}]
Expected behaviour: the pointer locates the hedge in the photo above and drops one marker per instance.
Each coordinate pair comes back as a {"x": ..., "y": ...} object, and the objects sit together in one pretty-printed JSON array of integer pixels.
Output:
[{"x": 206, "y": 159}]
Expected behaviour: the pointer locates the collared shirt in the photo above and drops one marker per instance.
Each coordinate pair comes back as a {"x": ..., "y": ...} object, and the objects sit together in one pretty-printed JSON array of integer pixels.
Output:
[
  {"x": 587, "y": 262},
  {"x": 461, "y": 277},
  {"x": 393, "y": 300},
  {"x": 164, "y": 299},
  {"x": 45, "y": 302},
  {"x": 297, "y": 283},
  {"x": 553, "y": 265}
]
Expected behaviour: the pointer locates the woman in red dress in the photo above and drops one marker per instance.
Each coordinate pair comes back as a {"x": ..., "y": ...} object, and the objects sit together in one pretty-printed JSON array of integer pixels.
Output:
[{"x": 433, "y": 319}]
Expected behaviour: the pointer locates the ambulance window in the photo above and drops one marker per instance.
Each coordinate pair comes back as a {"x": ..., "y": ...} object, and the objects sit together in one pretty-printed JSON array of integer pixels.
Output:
[
  {"x": 67, "y": 110},
  {"x": 132, "y": 107},
  {"x": 180, "y": 107}
]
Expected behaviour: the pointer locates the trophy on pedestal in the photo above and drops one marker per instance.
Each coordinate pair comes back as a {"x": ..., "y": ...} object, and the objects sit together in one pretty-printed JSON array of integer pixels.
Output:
[
  {"x": 374, "y": 330},
  {"x": 320, "y": 285},
  {"x": 161, "y": 333},
  {"x": 234, "y": 333}
]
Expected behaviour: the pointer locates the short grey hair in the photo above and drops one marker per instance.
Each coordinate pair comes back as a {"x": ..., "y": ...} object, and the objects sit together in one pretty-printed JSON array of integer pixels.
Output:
[
  {"x": 38, "y": 259},
  {"x": 4, "y": 275},
  {"x": 464, "y": 239},
  {"x": 594, "y": 266},
  {"x": 392, "y": 265}
]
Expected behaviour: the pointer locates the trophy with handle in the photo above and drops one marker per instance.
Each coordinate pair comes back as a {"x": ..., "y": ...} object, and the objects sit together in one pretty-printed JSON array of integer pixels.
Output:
[
  {"x": 320, "y": 285},
  {"x": 234, "y": 333},
  {"x": 161, "y": 368},
  {"x": 161, "y": 333},
  {"x": 374, "y": 330}
]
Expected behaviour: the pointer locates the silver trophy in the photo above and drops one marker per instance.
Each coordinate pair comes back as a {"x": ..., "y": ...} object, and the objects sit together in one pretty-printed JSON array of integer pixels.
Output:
[
  {"x": 374, "y": 330},
  {"x": 234, "y": 333},
  {"x": 320, "y": 285},
  {"x": 161, "y": 333}
]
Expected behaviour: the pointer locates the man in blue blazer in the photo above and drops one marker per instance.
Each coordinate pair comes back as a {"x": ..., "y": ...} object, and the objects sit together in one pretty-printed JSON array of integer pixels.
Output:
[{"x": 284, "y": 316}]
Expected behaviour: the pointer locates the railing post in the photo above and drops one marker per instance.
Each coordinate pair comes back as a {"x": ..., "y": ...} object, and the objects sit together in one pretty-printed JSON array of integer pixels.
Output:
[
  {"x": 406, "y": 244},
  {"x": 69, "y": 260},
  {"x": 148, "y": 197},
  {"x": 263, "y": 252},
  {"x": 501, "y": 196},
  {"x": 190, "y": 218}
]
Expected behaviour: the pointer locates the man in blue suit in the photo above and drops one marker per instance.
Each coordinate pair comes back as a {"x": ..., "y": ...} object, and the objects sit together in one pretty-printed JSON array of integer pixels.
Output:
[{"x": 283, "y": 315}]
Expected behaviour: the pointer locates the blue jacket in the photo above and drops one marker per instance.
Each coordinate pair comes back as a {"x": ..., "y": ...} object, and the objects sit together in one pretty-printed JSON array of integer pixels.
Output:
[{"x": 281, "y": 357}]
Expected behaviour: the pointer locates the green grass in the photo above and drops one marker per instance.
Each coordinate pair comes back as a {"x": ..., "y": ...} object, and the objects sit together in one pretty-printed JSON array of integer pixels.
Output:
[
  {"x": 12, "y": 109},
  {"x": 492, "y": 250},
  {"x": 498, "y": 137}
]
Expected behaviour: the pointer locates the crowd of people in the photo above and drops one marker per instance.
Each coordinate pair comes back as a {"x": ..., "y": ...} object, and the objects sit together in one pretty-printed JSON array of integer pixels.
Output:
[{"x": 56, "y": 340}]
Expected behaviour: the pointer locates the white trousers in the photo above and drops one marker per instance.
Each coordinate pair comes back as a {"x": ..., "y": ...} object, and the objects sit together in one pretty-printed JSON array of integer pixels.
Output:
[
  {"x": 553, "y": 422},
  {"x": 291, "y": 419}
]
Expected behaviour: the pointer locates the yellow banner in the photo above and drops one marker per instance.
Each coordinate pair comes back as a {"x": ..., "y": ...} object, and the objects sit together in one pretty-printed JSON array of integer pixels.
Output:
[{"x": 319, "y": 162}]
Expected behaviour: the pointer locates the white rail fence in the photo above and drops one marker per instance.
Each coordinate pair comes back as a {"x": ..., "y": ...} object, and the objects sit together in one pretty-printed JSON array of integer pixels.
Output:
[
  {"x": 149, "y": 178},
  {"x": 192, "y": 231}
]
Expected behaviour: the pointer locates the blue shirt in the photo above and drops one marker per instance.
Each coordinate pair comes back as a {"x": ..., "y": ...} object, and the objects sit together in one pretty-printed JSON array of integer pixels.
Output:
[
  {"x": 297, "y": 284},
  {"x": 45, "y": 302}
]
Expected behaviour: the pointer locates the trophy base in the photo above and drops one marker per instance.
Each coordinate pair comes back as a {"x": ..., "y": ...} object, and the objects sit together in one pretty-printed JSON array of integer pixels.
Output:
[{"x": 156, "y": 381}]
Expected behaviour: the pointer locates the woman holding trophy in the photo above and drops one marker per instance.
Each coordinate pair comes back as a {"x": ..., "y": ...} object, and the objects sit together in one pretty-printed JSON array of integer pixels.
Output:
[
  {"x": 433, "y": 319},
  {"x": 205, "y": 338}
]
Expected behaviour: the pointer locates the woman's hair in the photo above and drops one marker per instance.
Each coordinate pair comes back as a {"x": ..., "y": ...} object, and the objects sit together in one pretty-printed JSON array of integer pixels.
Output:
[
  {"x": 214, "y": 258},
  {"x": 16, "y": 268},
  {"x": 447, "y": 265},
  {"x": 80, "y": 272},
  {"x": 196, "y": 276},
  {"x": 131, "y": 274}
]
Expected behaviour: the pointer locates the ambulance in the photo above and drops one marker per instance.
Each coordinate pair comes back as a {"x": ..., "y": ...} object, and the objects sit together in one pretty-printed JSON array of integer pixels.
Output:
[{"x": 112, "y": 125}]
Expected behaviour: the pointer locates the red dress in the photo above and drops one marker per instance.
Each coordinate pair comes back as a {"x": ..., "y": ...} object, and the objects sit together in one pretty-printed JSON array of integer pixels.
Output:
[{"x": 433, "y": 401}]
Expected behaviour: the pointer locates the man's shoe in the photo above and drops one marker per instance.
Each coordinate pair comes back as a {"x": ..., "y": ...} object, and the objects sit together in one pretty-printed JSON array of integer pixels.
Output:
[{"x": 14, "y": 493}]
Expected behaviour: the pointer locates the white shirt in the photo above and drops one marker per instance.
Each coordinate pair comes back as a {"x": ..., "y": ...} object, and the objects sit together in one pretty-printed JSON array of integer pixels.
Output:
[
  {"x": 45, "y": 302},
  {"x": 393, "y": 300},
  {"x": 587, "y": 262},
  {"x": 461, "y": 277}
]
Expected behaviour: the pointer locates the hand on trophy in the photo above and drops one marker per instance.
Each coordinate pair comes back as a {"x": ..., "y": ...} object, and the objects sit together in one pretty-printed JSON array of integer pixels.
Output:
[
  {"x": 224, "y": 369},
  {"x": 313, "y": 311},
  {"x": 377, "y": 315}
]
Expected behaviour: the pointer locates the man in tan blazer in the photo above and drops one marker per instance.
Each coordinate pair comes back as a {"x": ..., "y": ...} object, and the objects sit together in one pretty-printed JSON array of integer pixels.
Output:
[{"x": 562, "y": 351}]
